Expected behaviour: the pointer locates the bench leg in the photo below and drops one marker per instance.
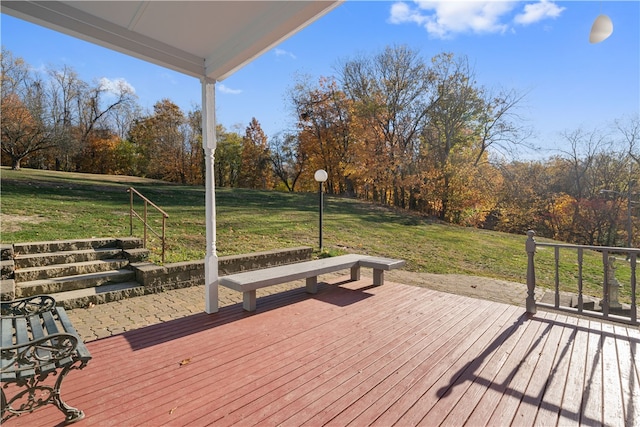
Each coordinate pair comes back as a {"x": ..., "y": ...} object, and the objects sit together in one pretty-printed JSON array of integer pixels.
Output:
[
  {"x": 31, "y": 399},
  {"x": 355, "y": 273},
  {"x": 312, "y": 285},
  {"x": 71, "y": 414},
  {"x": 249, "y": 300},
  {"x": 378, "y": 277}
]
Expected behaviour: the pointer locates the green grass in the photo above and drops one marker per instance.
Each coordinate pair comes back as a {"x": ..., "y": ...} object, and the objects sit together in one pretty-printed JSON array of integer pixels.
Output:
[{"x": 43, "y": 205}]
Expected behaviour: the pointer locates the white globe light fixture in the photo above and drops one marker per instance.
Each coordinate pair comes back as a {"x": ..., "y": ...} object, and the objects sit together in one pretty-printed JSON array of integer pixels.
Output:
[
  {"x": 601, "y": 29},
  {"x": 320, "y": 176}
]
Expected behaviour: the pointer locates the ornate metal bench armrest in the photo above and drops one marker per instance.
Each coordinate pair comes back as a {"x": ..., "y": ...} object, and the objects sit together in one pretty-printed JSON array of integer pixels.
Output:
[
  {"x": 49, "y": 350},
  {"x": 27, "y": 306}
]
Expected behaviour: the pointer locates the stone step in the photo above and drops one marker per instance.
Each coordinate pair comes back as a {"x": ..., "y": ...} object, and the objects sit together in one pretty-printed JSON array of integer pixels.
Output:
[
  {"x": 66, "y": 257},
  {"x": 78, "y": 244},
  {"x": 63, "y": 245},
  {"x": 84, "y": 298},
  {"x": 136, "y": 255},
  {"x": 70, "y": 269},
  {"x": 70, "y": 283},
  {"x": 7, "y": 267}
]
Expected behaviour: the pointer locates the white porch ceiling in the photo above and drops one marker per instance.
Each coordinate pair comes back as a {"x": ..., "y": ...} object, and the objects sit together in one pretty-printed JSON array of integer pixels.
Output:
[{"x": 198, "y": 38}]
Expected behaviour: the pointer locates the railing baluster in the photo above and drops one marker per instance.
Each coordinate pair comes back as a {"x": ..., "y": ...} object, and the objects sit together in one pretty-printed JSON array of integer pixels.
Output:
[
  {"x": 605, "y": 287},
  {"x": 634, "y": 312},
  {"x": 580, "y": 297},
  {"x": 557, "y": 273}
]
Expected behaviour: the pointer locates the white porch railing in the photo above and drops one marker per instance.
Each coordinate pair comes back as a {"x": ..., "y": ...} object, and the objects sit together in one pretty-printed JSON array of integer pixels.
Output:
[{"x": 609, "y": 307}]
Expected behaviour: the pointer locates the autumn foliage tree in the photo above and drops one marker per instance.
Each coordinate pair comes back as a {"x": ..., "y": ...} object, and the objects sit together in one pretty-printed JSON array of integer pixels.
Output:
[
  {"x": 228, "y": 158},
  {"x": 22, "y": 133},
  {"x": 326, "y": 137},
  {"x": 255, "y": 163},
  {"x": 23, "y": 129}
]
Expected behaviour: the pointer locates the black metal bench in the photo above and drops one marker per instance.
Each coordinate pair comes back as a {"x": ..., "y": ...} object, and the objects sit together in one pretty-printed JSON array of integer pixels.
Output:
[
  {"x": 38, "y": 340},
  {"x": 249, "y": 281}
]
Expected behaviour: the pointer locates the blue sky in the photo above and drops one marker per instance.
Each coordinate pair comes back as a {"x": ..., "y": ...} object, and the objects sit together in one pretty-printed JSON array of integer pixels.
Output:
[{"x": 540, "y": 48}]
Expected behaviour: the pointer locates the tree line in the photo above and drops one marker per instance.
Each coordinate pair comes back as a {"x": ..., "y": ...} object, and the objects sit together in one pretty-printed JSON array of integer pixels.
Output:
[{"x": 391, "y": 128}]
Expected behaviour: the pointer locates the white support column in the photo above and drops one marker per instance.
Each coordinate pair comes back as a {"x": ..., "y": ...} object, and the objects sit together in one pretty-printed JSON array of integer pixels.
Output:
[{"x": 209, "y": 146}]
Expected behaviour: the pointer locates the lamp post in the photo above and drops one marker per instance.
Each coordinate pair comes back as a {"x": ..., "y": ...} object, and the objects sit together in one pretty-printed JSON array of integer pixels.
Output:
[{"x": 320, "y": 176}]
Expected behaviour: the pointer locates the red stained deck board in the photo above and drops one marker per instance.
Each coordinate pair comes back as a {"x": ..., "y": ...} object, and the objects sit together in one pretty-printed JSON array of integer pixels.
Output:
[
  {"x": 548, "y": 411},
  {"x": 416, "y": 404},
  {"x": 322, "y": 347},
  {"x": 360, "y": 355},
  {"x": 628, "y": 376},
  {"x": 500, "y": 385},
  {"x": 452, "y": 334},
  {"x": 340, "y": 406},
  {"x": 325, "y": 394},
  {"x": 471, "y": 386},
  {"x": 448, "y": 395}
]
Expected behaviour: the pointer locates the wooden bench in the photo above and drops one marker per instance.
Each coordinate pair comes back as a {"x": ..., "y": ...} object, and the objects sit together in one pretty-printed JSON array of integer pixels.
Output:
[
  {"x": 38, "y": 340},
  {"x": 248, "y": 282}
]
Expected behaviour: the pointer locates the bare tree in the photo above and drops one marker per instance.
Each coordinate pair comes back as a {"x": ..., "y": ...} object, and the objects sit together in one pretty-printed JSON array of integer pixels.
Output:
[
  {"x": 288, "y": 159},
  {"x": 629, "y": 128}
]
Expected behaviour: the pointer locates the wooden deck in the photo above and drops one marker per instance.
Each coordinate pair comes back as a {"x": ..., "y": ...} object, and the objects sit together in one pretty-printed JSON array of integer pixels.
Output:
[{"x": 360, "y": 355}]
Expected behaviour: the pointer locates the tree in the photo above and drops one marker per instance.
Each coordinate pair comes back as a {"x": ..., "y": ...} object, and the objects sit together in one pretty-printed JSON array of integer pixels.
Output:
[
  {"x": 23, "y": 129},
  {"x": 227, "y": 158},
  {"x": 255, "y": 165},
  {"x": 499, "y": 126},
  {"x": 455, "y": 105},
  {"x": 22, "y": 134},
  {"x": 390, "y": 92},
  {"x": 325, "y": 122},
  {"x": 288, "y": 159},
  {"x": 99, "y": 153},
  {"x": 65, "y": 94}
]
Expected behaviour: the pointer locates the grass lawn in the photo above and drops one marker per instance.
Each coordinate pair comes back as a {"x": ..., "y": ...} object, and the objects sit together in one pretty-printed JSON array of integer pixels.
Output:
[{"x": 44, "y": 205}]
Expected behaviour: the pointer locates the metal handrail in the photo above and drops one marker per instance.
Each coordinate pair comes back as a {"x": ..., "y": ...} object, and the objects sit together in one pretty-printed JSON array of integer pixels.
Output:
[{"x": 143, "y": 218}]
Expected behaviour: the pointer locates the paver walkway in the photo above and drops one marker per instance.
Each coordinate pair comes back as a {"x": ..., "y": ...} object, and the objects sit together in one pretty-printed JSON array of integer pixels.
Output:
[{"x": 112, "y": 318}]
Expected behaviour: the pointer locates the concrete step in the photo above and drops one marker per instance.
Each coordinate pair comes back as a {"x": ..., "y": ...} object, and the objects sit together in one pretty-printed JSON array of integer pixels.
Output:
[
  {"x": 65, "y": 257},
  {"x": 70, "y": 283},
  {"x": 71, "y": 269},
  {"x": 83, "y": 298},
  {"x": 63, "y": 245},
  {"x": 136, "y": 255}
]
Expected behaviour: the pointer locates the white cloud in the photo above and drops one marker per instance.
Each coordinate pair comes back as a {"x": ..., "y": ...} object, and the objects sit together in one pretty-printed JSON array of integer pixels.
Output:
[
  {"x": 223, "y": 89},
  {"x": 282, "y": 52},
  {"x": 536, "y": 12},
  {"x": 116, "y": 86},
  {"x": 445, "y": 18}
]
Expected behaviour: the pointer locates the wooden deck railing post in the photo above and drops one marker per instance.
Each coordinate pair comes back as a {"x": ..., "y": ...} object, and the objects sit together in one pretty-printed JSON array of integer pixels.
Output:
[{"x": 531, "y": 272}]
